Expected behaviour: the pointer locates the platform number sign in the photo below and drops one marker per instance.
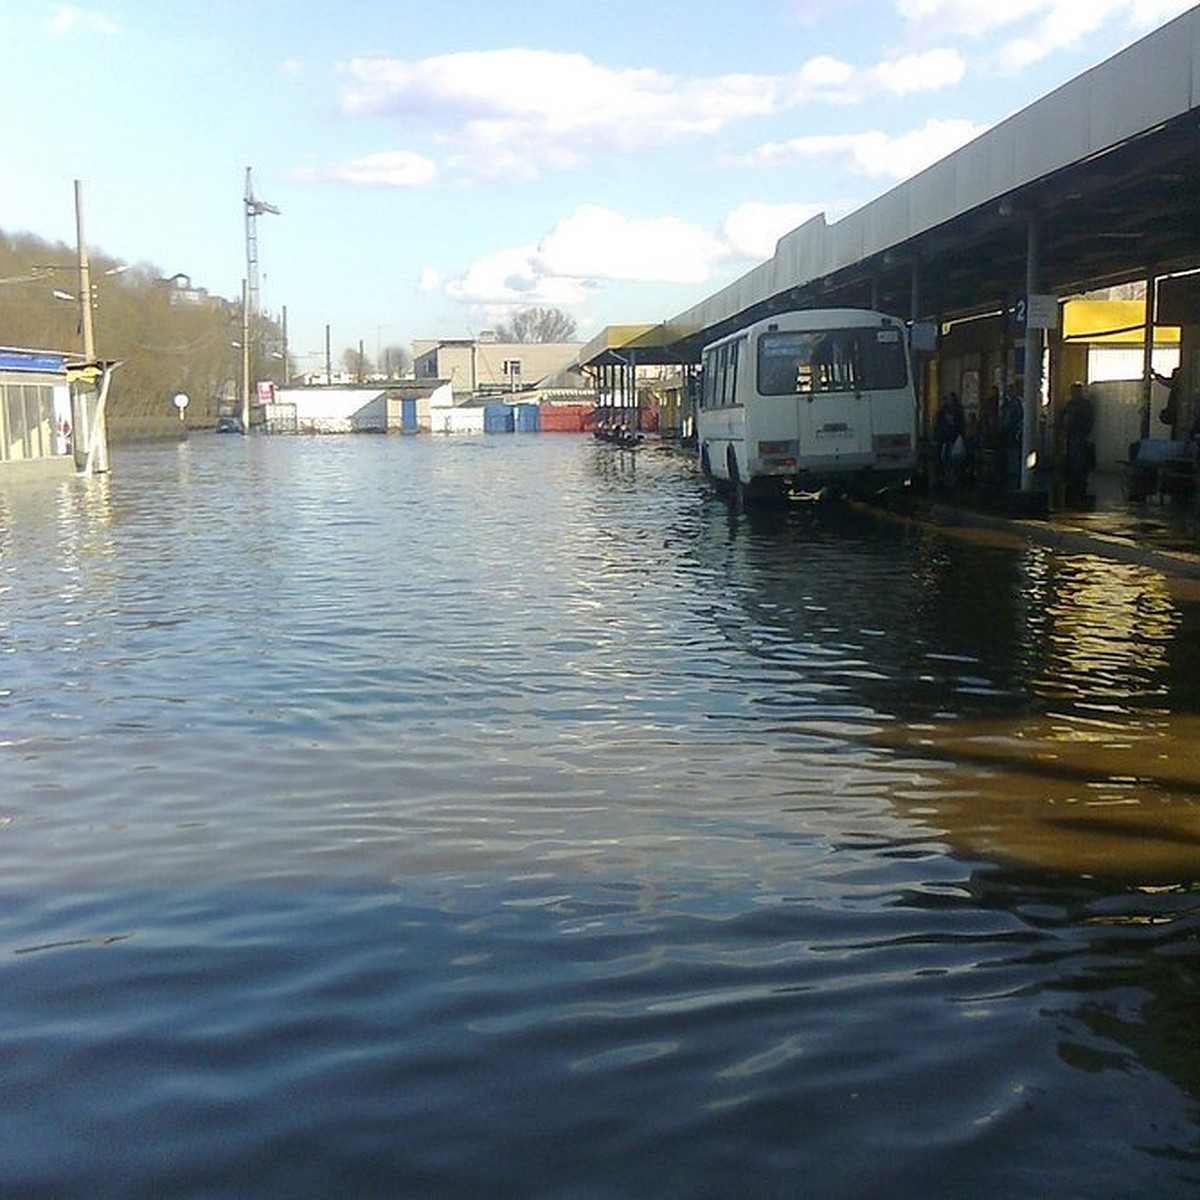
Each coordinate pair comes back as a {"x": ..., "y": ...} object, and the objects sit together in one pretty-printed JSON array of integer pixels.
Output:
[{"x": 1038, "y": 310}]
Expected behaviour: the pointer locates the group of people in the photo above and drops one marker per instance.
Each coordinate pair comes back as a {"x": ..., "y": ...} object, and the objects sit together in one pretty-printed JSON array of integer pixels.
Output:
[
  {"x": 984, "y": 448},
  {"x": 964, "y": 441}
]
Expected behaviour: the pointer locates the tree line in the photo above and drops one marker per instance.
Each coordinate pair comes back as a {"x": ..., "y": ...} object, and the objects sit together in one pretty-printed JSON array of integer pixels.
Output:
[
  {"x": 168, "y": 337},
  {"x": 172, "y": 338}
]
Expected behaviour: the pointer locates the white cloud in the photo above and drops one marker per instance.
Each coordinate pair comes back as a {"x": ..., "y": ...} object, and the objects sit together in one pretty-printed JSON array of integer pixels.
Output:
[
  {"x": 430, "y": 280},
  {"x": 585, "y": 250},
  {"x": 513, "y": 114},
  {"x": 599, "y": 243},
  {"x": 953, "y": 17},
  {"x": 831, "y": 81},
  {"x": 387, "y": 168},
  {"x": 511, "y": 276},
  {"x": 1149, "y": 14},
  {"x": 1026, "y": 31},
  {"x": 752, "y": 229},
  {"x": 1064, "y": 23},
  {"x": 822, "y": 74},
  {"x": 928, "y": 72},
  {"x": 502, "y": 97},
  {"x": 595, "y": 246},
  {"x": 67, "y": 19},
  {"x": 874, "y": 154}
]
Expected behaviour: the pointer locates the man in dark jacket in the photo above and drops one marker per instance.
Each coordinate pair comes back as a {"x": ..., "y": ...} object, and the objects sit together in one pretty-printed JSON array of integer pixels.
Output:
[{"x": 1078, "y": 417}]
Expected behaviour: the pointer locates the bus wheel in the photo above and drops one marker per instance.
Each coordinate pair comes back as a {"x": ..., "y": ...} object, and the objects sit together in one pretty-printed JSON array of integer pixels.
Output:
[{"x": 705, "y": 464}]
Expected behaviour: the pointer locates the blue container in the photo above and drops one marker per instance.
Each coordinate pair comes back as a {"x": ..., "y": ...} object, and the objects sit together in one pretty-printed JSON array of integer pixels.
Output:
[
  {"x": 497, "y": 418},
  {"x": 529, "y": 418}
]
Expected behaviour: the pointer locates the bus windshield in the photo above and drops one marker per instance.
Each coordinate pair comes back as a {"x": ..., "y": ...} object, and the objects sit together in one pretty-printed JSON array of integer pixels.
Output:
[{"x": 831, "y": 360}]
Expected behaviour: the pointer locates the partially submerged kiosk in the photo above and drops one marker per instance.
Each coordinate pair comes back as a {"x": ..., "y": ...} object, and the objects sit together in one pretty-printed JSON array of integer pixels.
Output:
[{"x": 52, "y": 413}]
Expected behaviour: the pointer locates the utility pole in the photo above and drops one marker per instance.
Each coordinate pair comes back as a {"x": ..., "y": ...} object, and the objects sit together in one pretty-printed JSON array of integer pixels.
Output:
[
  {"x": 245, "y": 356},
  {"x": 95, "y": 419},
  {"x": 287, "y": 370},
  {"x": 85, "y": 280}
]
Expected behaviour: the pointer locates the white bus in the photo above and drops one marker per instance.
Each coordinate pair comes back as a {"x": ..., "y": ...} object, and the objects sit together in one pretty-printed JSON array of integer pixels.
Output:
[{"x": 807, "y": 403}]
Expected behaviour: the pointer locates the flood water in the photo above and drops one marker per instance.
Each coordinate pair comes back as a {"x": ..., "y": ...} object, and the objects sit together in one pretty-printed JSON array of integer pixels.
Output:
[{"x": 505, "y": 817}]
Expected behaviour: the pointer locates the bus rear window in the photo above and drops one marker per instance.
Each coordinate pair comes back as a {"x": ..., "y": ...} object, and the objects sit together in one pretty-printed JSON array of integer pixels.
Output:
[{"x": 831, "y": 360}]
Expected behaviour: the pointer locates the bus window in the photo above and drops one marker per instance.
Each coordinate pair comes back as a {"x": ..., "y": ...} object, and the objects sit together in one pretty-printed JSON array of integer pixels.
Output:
[
  {"x": 730, "y": 396},
  {"x": 881, "y": 353},
  {"x": 790, "y": 363},
  {"x": 831, "y": 360}
]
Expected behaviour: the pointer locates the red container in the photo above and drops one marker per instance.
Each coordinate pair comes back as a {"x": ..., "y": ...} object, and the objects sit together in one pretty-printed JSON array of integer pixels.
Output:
[{"x": 567, "y": 418}]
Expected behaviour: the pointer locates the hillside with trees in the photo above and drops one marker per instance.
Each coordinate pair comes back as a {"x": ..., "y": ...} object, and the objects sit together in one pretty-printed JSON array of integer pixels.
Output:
[{"x": 169, "y": 336}]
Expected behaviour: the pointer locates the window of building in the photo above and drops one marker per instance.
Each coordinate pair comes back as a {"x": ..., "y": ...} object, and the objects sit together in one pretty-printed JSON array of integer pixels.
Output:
[{"x": 26, "y": 421}]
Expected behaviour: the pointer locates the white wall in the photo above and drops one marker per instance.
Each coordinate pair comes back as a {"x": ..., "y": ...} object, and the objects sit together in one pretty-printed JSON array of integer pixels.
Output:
[
  {"x": 456, "y": 420},
  {"x": 337, "y": 410}
]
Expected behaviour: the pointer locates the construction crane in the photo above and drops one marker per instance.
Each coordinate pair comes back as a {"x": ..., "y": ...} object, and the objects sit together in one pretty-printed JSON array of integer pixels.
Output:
[{"x": 254, "y": 208}]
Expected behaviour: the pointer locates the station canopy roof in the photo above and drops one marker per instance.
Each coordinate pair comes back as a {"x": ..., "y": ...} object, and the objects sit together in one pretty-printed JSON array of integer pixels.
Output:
[
  {"x": 1100, "y": 179},
  {"x": 623, "y": 345}
]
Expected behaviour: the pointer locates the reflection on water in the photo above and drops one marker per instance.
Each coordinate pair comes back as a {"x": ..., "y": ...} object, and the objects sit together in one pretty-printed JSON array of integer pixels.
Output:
[
  {"x": 1094, "y": 796},
  {"x": 1106, "y": 630},
  {"x": 505, "y": 816}
]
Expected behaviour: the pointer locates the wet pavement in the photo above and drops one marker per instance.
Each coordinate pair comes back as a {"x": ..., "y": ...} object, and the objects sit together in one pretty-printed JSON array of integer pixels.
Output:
[{"x": 1160, "y": 533}]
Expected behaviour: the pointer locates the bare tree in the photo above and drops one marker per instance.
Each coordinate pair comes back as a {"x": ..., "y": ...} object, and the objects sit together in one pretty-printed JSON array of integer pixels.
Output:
[
  {"x": 356, "y": 363},
  {"x": 395, "y": 362},
  {"x": 537, "y": 325}
]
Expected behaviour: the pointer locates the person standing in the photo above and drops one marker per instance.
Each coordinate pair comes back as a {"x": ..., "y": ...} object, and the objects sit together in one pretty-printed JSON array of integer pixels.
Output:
[
  {"x": 1169, "y": 415},
  {"x": 1012, "y": 432},
  {"x": 948, "y": 429},
  {"x": 1078, "y": 418}
]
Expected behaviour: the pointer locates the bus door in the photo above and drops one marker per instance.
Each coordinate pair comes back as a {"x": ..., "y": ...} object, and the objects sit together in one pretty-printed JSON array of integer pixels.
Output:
[{"x": 833, "y": 416}]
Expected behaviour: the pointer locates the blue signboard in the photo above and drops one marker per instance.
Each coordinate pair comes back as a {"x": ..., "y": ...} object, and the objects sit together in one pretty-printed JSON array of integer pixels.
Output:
[{"x": 31, "y": 360}]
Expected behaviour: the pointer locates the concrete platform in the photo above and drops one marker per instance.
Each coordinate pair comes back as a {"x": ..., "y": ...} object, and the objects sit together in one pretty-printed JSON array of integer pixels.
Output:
[{"x": 1163, "y": 535}]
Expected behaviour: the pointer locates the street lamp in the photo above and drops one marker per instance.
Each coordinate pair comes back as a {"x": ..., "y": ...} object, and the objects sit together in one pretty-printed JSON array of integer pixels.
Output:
[{"x": 59, "y": 294}]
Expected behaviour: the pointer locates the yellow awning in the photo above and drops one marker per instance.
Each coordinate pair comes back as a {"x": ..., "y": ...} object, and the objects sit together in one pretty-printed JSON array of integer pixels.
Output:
[
  {"x": 615, "y": 342},
  {"x": 1112, "y": 323}
]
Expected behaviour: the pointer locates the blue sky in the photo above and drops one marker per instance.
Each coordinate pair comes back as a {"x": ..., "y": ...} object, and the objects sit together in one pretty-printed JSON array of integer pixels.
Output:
[{"x": 438, "y": 165}]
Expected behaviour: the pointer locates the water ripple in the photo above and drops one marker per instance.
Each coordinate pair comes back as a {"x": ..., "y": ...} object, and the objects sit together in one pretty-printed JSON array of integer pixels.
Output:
[{"x": 401, "y": 816}]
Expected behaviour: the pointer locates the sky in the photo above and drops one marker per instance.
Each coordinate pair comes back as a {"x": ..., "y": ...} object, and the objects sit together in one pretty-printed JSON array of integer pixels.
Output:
[{"x": 439, "y": 166}]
